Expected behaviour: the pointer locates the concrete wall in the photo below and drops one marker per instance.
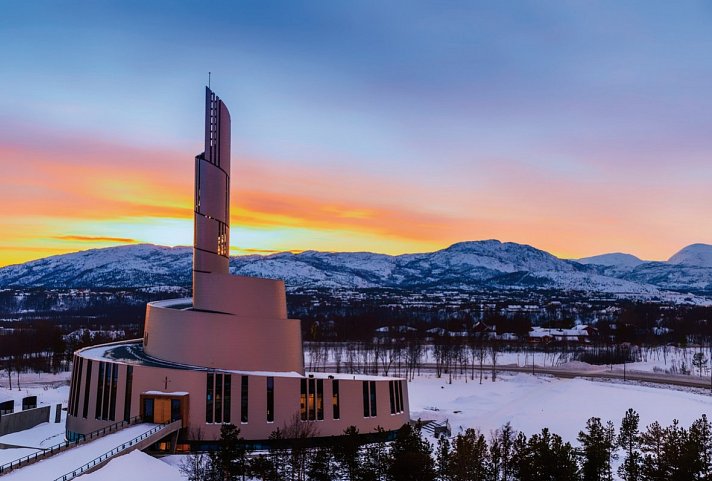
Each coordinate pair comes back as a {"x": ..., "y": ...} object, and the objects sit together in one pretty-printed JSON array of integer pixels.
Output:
[
  {"x": 221, "y": 341},
  {"x": 19, "y": 421},
  {"x": 286, "y": 402}
]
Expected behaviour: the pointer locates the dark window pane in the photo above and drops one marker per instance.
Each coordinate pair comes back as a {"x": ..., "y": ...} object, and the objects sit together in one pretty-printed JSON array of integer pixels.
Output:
[
  {"x": 209, "y": 398},
  {"x": 244, "y": 396},
  {"x": 175, "y": 409},
  {"x": 87, "y": 385},
  {"x": 99, "y": 391},
  {"x": 373, "y": 398},
  {"x": 400, "y": 396},
  {"x": 227, "y": 397},
  {"x": 366, "y": 405},
  {"x": 148, "y": 410},
  {"x": 218, "y": 397},
  {"x": 270, "y": 399},
  {"x": 127, "y": 393},
  {"x": 391, "y": 392},
  {"x": 107, "y": 392},
  {"x": 114, "y": 382}
]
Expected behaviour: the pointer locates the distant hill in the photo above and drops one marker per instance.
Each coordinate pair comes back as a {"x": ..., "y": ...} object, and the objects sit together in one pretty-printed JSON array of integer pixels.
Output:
[{"x": 465, "y": 265}]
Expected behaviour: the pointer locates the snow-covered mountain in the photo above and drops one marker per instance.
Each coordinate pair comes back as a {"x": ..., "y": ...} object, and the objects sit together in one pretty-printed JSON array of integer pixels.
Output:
[
  {"x": 616, "y": 259},
  {"x": 698, "y": 255},
  {"x": 689, "y": 270},
  {"x": 466, "y": 265}
]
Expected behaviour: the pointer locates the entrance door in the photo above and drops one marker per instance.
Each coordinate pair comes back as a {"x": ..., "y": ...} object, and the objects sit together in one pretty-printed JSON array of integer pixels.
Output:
[{"x": 162, "y": 411}]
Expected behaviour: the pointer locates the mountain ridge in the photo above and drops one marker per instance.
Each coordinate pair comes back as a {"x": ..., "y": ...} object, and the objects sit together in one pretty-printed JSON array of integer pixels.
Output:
[{"x": 464, "y": 265}]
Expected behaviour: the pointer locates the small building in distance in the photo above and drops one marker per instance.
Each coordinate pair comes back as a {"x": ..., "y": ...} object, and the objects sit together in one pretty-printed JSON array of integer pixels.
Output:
[{"x": 229, "y": 354}]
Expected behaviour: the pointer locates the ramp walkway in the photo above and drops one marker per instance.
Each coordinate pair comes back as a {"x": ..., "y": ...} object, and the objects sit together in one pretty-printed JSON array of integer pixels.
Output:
[{"x": 92, "y": 455}]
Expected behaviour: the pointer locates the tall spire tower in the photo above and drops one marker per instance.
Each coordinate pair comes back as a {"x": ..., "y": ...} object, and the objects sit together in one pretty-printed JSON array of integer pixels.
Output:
[{"x": 211, "y": 247}]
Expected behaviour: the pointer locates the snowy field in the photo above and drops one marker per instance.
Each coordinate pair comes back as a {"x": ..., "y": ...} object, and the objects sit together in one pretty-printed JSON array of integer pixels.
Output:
[
  {"x": 531, "y": 403},
  {"x": 528, "y": 402}
]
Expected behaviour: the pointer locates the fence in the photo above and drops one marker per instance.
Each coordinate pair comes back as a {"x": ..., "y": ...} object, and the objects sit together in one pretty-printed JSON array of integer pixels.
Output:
[
  {"x": 118, "y": 449},
  {"x": 63, "y": 446}
]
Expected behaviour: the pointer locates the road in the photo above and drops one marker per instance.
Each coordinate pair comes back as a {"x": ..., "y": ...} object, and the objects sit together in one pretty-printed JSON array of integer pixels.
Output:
[{"x": 591, "y": 372}]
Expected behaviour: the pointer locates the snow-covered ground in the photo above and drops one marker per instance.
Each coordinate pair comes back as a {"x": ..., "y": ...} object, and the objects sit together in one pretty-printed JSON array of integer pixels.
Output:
[
  {"x": 528, "y": 402},
  {"x": 531, "y": 403},
  {"x": 136, "y": 466},
  {"x": 74, "y": 458}
]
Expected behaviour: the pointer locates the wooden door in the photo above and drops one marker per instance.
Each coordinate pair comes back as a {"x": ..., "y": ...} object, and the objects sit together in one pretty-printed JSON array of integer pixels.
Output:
[{"x": 162, "y": 411}]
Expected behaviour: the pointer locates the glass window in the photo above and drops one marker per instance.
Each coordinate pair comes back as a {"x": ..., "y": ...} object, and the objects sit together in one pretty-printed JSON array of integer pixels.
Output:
[
  {"x": 373, "y": 398},
  {"x": 391, "y": 392},
  {"x": 320, "y": 399},
  {"x": 312, "y": 403},
  {"x": 303, "y": 400},
  {"x": 243, "y": 400},
  {"x": 366, "y": 405},
  {"x": 127, "y": 393},
  {"x": 107, "y": 392},
  {"x": 209, "y": 400},
  {"x": 87, "y": 384},
  {"x": 175, "y": 410},
  {"x": 401, "y": 408},
  {"x": 218, "y": 397},
  {"x": 114, "y": 382},
  {"x": 270, "y": 399},
  {"x": 227, "y": 397},
  {"x": 99, "y": 391},
  {"x": 148, "y": 410},
  {"x": 335, "y": 398}
]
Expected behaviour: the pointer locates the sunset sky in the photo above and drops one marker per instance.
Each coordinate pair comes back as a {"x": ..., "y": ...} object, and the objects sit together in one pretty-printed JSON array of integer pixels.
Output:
[{"x": 577, "y": 127}]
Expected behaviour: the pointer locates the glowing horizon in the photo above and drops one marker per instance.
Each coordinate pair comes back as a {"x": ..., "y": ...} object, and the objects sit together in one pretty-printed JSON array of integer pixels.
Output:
[{"x": 577, "y": 129}]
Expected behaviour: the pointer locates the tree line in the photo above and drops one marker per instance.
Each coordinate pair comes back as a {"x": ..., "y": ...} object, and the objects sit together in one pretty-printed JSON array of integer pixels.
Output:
[{"x": 671, "y": 453}]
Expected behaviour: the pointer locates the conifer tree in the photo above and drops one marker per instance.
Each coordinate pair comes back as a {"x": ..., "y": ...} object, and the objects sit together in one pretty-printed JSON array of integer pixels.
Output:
[
  {"x": 469, "y": 460},
  {"x": 410, "y": 456},
  {"x": 442, "y": 459},
  {"x": 597, "y": 450},
  {"x": 701, "y": 437},
  {"x": 629, "y": 440}
]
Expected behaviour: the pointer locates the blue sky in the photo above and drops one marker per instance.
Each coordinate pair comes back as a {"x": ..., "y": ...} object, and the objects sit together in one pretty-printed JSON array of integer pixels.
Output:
[{"x": 578, "y": 127}]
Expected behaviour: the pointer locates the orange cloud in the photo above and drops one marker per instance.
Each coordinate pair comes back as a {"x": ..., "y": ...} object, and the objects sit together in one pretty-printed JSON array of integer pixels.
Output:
[{"x": 84, "y": 238}]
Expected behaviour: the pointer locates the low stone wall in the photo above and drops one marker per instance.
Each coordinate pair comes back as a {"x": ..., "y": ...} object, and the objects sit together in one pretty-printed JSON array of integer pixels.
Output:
[{"x": 21, "y": 420}]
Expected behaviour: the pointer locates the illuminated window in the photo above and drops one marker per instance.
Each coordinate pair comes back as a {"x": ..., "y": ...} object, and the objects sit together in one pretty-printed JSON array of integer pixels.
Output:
[{"x": 335, "y": 398}]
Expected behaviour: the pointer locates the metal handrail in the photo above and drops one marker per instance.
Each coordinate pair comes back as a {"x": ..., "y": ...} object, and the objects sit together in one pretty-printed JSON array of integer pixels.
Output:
[
  {"x": 64, "y": 445},
  {"x": 103, "y": 457}
]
